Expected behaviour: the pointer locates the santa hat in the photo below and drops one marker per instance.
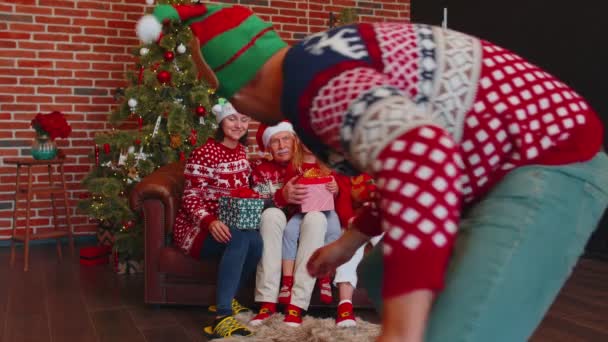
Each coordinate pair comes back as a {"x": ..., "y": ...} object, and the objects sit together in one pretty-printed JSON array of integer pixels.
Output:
[
  {"x": 233, "y": 41},
  {"x": 265, "y": 133},
  {"x": 222, "y": 110}
]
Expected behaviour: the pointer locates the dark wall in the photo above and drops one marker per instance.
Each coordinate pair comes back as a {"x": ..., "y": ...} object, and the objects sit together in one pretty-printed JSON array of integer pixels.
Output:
[{"x": 566, "y": 38}]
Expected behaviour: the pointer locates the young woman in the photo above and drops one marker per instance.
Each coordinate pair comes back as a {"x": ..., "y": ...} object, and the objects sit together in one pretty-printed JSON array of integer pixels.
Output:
[{"x": 212, "y": 171}]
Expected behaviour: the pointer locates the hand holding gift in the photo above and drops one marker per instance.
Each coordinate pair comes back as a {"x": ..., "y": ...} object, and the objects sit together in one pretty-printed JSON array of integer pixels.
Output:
[
  {"x": 294, "y": 193},
  {"x": 319, "y": 197},
  {"x": 332, "y": 186}
]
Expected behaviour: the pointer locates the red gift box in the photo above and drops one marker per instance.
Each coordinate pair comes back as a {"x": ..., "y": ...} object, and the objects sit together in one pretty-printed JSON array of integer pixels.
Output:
[
  {"x": 95, "y": 255},
  {"x": 318, "y": 198}
]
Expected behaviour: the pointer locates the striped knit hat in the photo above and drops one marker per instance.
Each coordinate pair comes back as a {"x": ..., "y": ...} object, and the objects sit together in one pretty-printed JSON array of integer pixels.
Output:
[{"x": 234, "y": 42}]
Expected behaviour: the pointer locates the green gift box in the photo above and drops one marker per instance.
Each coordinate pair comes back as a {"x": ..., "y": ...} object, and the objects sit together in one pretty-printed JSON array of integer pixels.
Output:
[{"x": 241, "y": 213}]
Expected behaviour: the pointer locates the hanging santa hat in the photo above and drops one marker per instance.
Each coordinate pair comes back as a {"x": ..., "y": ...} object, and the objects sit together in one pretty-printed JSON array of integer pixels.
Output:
[
  {"x": 265, "y": 132},
  {"x": 234, "y": 42}
]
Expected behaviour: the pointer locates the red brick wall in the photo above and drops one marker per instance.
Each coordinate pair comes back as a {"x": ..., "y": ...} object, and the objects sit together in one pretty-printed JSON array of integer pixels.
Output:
[{"x": 70, "y": 55}]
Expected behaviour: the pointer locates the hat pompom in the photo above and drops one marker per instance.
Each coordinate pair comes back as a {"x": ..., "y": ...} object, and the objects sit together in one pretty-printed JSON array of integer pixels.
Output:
[
  {"x": 148, "y": 29},
  {"x": 217, "y": 109}
]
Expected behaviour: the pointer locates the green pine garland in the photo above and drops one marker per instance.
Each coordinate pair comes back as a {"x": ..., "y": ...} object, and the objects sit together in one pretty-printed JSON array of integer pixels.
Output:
[{"x": 109, "y": 183}]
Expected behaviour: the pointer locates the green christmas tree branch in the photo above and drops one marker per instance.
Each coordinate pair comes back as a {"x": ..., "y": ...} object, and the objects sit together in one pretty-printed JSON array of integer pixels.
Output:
[{"x": 160, "y": 118}]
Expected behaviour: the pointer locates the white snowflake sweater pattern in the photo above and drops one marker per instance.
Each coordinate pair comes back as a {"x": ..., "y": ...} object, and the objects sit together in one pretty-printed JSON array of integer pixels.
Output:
[
  {"x": 212, "y": 171},
  {"x": 438, "y": 117}
]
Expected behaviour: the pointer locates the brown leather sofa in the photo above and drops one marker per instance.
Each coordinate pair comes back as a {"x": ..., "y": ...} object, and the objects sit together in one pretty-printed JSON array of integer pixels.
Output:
[{"x": 170, "y": 276}]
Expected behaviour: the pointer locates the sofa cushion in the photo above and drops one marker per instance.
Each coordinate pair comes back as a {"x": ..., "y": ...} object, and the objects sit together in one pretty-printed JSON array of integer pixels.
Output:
[{"x": 174, "y": 262}]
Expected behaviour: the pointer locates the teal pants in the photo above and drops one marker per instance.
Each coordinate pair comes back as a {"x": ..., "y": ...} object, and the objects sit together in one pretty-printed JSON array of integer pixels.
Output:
[{"x": 514, "y": 251}]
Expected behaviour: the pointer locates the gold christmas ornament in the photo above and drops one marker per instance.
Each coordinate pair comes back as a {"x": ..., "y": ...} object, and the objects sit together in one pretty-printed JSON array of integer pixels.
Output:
[
  {"x": 133, "y": 173},
  {"x": 176, "y": 141}
]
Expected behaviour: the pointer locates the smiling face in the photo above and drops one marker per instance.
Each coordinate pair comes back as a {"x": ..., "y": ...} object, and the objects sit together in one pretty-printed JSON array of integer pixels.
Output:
[
  {"x": 235, "y": 126},
  {"x": 281, "y": 145}
]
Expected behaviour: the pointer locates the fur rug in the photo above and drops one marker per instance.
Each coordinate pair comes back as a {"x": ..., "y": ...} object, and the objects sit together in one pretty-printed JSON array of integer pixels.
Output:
[{"x": 312, "y": 330}]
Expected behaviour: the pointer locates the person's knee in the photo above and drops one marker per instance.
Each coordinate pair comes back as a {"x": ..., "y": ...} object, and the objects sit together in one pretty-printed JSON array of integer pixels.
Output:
[
  {"x": 238, "y": 239},
  {"x": 272, "y": 221},
  {"x": 314, "y": 221}
]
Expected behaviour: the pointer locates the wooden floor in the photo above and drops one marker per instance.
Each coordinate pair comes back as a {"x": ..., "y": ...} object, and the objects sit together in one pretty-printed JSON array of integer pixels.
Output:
[{"x": 66, "y": 302}]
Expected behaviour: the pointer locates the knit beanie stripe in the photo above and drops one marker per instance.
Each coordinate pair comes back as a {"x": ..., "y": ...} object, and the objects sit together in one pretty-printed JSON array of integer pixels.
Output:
[
  {"x": 235, "y": 75},
  {"x": 242, "y": 50},
  {"x": 188, "y": 11},
  {"x": 235, "y": 43},
  {"x": 225, "y": 45},
  {"x": 162, "y": 12},
  {"x": 216, "y": 24}
]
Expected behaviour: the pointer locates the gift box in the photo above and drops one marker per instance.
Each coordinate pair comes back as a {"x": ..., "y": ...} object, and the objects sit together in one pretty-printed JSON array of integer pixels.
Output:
[
  {"x": 95, "y": 255},
  {"x": 318, "y": 198},
  {"x": 242, "y": 210}
]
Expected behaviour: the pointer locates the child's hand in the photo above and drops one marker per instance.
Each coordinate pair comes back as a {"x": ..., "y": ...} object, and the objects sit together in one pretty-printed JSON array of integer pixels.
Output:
[{"x": 332, "y": 186}]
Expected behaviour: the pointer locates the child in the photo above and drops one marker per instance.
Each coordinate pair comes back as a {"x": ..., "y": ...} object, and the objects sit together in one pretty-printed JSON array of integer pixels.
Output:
[
  {"x": 363, "y": 194},
  {"x": 304, "y": 162}
]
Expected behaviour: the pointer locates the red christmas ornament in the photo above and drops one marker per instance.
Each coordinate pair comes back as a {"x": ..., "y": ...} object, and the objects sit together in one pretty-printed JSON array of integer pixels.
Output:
[
  {"x": 128, "y": 225},
  {"x": 182, "y": 156},
  {"x": 140, "y": 122},
  {"x": 169, "y": 56},
  {"x": 106, "y": 148},
  {"x": 138, "y": 141},
  {"x": 164, "y": 77},
  {"x": 140, "y": 77},
  {"x": 192, "y": 137},
  {"x": 201, "y": 111}
]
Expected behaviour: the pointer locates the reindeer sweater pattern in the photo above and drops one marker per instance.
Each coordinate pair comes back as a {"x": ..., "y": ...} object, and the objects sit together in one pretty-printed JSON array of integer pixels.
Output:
[
  {"x": 267, "y": 177},
  {"x": 212, "y": 171}
]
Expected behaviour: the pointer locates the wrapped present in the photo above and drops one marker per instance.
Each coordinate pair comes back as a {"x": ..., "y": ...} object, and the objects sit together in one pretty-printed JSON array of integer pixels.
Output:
[
  {"x": 95, "y": 255},
  {"x": 318, "y": 198},
  {"x": 242, "y": 210}
]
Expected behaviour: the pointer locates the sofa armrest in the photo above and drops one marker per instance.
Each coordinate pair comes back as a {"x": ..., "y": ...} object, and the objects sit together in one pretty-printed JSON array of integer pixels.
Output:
[{"x": 165, "y": 185}]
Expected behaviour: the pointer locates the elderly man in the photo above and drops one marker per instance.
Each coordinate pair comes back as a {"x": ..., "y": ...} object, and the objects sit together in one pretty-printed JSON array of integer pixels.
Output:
[{"x": 268, "y": 177}]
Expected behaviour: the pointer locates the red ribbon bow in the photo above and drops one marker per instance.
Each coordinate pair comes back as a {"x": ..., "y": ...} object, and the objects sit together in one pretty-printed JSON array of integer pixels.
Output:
[{"x": 244, "y": 193}]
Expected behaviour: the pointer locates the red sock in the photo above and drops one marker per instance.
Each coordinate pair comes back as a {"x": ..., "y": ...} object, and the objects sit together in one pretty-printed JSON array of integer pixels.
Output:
[
  {"x": 285, "y": 293},
  {"x": 325, "y": 290}
]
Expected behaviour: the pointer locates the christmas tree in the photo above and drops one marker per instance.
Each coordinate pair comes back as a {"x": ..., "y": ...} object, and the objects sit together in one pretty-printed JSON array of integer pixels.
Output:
[
  {"x": 345, "y": 17},
  {"x": 161, "y": 118}
]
